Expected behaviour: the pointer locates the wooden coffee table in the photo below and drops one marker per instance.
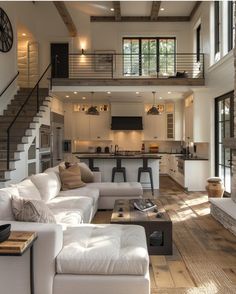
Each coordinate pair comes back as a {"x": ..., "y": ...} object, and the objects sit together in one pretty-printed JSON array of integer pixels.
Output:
[{"x": 158, "y": 229}]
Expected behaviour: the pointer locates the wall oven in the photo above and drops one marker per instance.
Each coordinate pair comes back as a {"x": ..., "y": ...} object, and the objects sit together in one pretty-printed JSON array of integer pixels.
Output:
[{"x": 44, "y": 137}]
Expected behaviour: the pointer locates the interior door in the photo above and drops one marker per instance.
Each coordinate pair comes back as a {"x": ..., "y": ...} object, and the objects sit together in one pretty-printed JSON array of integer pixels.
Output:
[
  {"x": 60, "y": 60},
  {"x": 224, "y": 119}
]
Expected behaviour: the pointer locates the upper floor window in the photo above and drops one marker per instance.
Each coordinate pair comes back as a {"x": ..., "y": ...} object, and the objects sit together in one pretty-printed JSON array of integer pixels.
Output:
[
  {"x": 149, "y": 56},
  {"x": 217, "y": 29},
  {"x": 231, "y": 26}
]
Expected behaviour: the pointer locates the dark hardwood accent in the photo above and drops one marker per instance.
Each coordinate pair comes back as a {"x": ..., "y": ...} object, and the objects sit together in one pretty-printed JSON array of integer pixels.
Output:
[
  {"x": 194, "y": 10},
  {"x": 139, "y": 19},
  {"x": 60, "y": 60},
  {"x": 66, "y": 17},
  {"x": 156, "y": 5},
  {"x": 116, "y": 5}
]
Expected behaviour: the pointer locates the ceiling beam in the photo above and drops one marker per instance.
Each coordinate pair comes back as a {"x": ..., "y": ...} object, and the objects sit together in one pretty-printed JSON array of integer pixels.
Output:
[
  {"x": 139, "y": 19},
  {"x": 156, "y": 5},
  {"x": 117, "y": 13},
  {"x": 66, "y": 17},
  {"x": 194, "y": 10}
]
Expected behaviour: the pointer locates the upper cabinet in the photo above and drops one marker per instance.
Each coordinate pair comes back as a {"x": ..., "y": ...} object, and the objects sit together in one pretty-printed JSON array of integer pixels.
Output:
[
  {"x": 154, "y": 127},
  {"x": 196, "y": 118}
]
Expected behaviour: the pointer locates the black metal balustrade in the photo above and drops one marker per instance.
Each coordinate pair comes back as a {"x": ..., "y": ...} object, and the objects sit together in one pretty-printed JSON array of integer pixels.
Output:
[{"x": 124, "y": 66}]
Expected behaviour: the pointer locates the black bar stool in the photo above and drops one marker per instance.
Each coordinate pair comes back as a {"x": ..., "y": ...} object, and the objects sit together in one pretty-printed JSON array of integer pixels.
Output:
[
  {"x": 118, "y": 169},
  {"x": 146, "y": 169},
  {"x": 91, "y": 165}
]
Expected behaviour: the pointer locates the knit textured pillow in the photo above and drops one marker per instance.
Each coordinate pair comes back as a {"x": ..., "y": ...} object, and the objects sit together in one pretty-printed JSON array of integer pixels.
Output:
[
  {"x": 31, "y": 211},
  {"x": 70, "y": 177}
]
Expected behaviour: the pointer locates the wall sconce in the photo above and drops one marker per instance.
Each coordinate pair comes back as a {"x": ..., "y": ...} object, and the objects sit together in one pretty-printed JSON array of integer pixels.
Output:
[{"x": 82, "y": 51}]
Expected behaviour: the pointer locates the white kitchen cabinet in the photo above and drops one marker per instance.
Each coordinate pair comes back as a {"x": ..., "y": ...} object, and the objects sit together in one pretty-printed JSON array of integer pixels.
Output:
[
  {"x": 100, "y": 126},
  {"x": 163, "y": 164},
  {"x": 196, "y": 173},
  {"x": 174, "y": 121},
  {"x": 154, "y": 127},
  {"x": 189, "y": 119}
]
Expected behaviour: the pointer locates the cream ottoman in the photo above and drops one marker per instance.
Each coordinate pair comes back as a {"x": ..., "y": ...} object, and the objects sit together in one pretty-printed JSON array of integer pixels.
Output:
[
  {"x": 109, "y": 192},
  {"x": 104, "y": 259}
]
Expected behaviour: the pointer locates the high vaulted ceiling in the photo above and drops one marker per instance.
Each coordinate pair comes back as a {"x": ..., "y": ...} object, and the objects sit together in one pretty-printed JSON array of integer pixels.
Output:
[{"x": 134, "y": 8}]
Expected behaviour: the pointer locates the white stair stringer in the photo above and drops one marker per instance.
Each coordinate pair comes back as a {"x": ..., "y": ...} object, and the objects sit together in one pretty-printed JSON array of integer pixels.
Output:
[{"x": 19, "y": 167}]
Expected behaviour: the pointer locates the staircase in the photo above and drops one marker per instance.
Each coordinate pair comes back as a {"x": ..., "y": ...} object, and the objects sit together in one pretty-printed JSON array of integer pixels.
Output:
[{"x": 23, "y": 128}]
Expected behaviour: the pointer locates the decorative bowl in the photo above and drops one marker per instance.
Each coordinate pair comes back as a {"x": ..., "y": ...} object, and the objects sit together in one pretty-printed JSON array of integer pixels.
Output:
[{"x": 5, "y": 231}]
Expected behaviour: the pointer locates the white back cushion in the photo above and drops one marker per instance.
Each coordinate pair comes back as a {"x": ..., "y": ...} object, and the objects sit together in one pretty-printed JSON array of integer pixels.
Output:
[
  {"x": 28, "y": 190},
  {"x": 5, "y": 203},
  {"x": 48, "y": 184}
]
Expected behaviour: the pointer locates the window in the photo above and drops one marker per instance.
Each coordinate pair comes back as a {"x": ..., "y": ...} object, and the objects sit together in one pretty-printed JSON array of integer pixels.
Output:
[
  {"x": 148, "y": 56},
  {"x": 198, "y": 42},
  {"x": 231, "y": 27},
  {"x": 217, "y": 28},
  {"x": 224, "y": 119}
]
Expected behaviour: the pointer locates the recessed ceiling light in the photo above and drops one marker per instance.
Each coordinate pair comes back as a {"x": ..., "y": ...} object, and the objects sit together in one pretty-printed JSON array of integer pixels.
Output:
[
  {"x": 108, "y": 93},
  {"x": 75, "y": 92},
  {"x": 83, "y": 98},
  {"x": 112, "y": 9},
  {"x": 23, "y": 34},
  {"x": 160, "y": 97},
  {"x": 162, "y": 9},
  {"x": 137, "y": 93},
  {"x": 67, "y": 96},
  {"x": 169, "y": 92}
]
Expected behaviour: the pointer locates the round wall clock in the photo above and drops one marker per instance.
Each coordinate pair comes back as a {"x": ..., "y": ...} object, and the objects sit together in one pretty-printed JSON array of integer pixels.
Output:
[{"x": 6, "y": 32}]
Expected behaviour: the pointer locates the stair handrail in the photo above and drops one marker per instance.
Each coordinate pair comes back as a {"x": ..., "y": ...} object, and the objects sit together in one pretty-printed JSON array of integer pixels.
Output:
[
  {"x": 21, "y": 108},
  {"x": 9, "y": 84}
]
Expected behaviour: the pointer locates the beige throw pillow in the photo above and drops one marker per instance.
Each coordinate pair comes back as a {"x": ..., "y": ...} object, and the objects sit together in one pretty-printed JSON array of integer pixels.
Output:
[
  {"x": 31, "y": 211},
  {"x": 87, "y": 175},
  {"x": 70, "y": 177}
]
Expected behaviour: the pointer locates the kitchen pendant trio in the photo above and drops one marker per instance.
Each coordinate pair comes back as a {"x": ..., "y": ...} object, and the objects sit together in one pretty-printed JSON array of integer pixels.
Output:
[{"x": 154, "y": 110}]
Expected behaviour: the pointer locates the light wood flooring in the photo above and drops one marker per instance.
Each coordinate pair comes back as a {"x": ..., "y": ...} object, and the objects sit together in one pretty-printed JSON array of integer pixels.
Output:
[{"x": 204, "y": 257}]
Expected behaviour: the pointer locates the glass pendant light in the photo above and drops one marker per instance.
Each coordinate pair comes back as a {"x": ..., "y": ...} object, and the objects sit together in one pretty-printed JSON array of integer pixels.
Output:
[
  {"x": 92, "y": 110},
  {"x": 153, "y": 110}
]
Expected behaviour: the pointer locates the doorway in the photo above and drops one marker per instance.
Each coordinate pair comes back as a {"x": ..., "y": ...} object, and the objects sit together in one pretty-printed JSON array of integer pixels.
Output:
[
  {"x": 224, "y": 121},
  {"x": 60, "y": 60}
]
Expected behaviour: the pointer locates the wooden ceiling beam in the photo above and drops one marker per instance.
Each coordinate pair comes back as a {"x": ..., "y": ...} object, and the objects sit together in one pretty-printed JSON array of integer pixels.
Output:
[
  {"x": 139, "y": 19},
  {"x": 156, "y": 5},
  {"x": 66, "y": 17},
  {"x": 194, "y": 10},
  {"x": 117, "y": 13}
]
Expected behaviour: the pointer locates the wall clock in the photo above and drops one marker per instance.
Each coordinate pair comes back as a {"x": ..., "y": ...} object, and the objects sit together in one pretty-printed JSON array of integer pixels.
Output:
[{"x": 6, "y": 32}]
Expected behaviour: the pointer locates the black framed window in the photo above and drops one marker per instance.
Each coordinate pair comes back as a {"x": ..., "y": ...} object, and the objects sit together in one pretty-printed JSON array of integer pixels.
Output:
[
  {"x": 148, "y": 56},
  {"x": 217, "y": 26},
  {"x": 198, "y": 42},
  {"x": 231, "y": 27},
  {"x": 224, "y": 128}
]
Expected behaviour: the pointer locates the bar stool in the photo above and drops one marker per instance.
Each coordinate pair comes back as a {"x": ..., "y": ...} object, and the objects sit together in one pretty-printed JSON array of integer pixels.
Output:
[
  {"x": 118, "y": 169},
  {"x": 93, "y": 168},
  {"x": 146, "y": 169}
]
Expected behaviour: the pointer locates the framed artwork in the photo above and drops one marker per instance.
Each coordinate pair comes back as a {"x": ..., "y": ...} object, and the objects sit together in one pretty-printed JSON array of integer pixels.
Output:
[{"x": 104, "y": 59}]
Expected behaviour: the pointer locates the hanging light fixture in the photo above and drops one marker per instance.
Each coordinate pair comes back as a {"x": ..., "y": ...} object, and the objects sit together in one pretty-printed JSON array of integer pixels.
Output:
[
  {"x": 92, "y": 110},
  {"x": 153, "y": 110}
]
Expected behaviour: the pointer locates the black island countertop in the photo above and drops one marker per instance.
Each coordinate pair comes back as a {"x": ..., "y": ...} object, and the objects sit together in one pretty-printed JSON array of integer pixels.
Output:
[{"x": 115, "y": 156}]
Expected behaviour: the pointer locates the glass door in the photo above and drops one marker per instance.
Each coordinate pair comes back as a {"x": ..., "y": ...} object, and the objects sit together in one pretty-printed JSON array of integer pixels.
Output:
[{"x": 224, "y": 129}]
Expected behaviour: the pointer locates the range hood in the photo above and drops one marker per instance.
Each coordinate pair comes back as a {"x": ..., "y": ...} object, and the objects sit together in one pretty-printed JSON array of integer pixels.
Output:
[{"x": 127, "y": 123}]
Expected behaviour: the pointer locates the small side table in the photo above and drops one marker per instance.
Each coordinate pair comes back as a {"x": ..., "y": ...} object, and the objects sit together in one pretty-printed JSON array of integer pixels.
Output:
[{"x": 16, "y": 245}]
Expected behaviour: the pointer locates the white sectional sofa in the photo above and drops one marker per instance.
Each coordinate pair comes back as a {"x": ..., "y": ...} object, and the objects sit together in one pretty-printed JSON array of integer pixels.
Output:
[{"x": 74, "y": 256}]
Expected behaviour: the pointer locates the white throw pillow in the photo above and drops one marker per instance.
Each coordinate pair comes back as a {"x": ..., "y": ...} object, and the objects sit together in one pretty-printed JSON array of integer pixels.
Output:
[
  {"x": 5, "y": 203},
  {"x": 49, "y": 185},
  {"x": 87, "y": 175},
  {"x": 27, "y": 190}
]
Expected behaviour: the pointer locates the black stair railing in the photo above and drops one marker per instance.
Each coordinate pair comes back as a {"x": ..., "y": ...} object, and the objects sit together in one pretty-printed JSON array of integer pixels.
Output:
[
  {"x": 9, "y": 84},
  {"x": 36, "y": 87}
]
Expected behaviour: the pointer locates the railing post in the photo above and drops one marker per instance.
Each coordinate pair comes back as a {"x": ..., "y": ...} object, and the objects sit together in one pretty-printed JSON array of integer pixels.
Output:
[
  {"x": 112, "y": 66},
  {"x": 8, "y": 149},
  {"x": 37, "y": 89},
  {"x": 203, "y": 66}
]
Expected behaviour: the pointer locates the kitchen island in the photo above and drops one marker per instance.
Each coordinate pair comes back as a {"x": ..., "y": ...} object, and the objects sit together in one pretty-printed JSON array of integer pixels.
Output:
[{"x": 131, "y": 162}]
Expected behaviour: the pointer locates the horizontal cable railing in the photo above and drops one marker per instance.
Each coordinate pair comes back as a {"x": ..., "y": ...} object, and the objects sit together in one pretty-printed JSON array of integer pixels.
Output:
[
  {"x": 119, "y": 66},
  {"x": 9, "y": 84}
]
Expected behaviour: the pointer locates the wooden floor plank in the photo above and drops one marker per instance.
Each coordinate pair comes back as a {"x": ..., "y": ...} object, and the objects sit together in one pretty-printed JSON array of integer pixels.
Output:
[{"x": 180, "y": 274}]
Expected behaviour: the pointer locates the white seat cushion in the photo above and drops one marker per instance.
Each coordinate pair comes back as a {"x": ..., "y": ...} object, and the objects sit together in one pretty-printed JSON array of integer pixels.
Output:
[
  {"x": 67, "y": 216},
  {"x": 48, "y": 184},
  {"x": 104, "y": 250},
  {"x": 27, "y": 190},
  {"x": 83, "y": 191},
  {"x": 5, "y": 203},
  {"x": 80, "y": 205},
  {"x": 118, "y": 189}
]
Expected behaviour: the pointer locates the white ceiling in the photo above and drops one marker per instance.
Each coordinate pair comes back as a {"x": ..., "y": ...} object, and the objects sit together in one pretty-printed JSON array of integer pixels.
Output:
[
  {"x": 133, "y": 8},
  {"x": 146, "y": 97}
]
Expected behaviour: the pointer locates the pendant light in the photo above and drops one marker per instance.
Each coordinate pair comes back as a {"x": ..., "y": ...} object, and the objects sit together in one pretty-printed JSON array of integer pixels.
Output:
[
  {"x": 92, "y": 110},
  {"x": 153, "y": 110}
]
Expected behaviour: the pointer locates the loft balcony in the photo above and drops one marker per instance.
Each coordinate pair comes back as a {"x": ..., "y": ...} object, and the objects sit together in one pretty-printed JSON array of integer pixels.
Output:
[{"x": 109, "y": 69}]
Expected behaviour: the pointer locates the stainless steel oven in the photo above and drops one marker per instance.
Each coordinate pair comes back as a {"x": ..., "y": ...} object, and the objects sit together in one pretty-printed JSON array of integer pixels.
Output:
[{"x": 44, "y": 137}]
